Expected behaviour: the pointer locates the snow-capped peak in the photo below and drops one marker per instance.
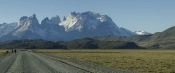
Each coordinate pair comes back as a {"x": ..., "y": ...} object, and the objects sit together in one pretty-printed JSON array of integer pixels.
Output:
[
  {"x": 142, "y": 33},
  {"x": 69, "y": 22},
  {"x": 87, "y": 21}
]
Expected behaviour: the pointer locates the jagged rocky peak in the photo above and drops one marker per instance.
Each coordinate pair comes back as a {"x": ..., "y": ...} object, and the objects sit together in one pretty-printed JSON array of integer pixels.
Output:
[
  {"x": 104, "y": 18},
  {"x": 74, "y": 13},
  {"x": 94, "y": 15},
  {"x": 27, "y": 25},
  {"x": 34, "y": 19},
  {"x": 54, "y": 21},
  {"x": 45, "y": 21},
  {"x": 25, "y": 20},
  {"x": 87, "y": 21},
  {"x": 64, "y": 18}
]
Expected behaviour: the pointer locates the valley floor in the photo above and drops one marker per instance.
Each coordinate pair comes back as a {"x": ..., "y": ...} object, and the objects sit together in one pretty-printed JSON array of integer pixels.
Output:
[
  {"x": 139, "y": 61},
  {"x": 27, "y": 61}
]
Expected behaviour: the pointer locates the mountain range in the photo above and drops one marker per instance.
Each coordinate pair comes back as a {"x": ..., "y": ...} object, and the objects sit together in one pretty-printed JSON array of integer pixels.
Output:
[
  {"x": 76, "y": 25},
  {"x": 79, "y": 30}
]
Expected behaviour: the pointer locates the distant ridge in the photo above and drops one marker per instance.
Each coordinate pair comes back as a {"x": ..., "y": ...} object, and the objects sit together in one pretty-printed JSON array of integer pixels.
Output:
[{"x": 165, "y": 39}]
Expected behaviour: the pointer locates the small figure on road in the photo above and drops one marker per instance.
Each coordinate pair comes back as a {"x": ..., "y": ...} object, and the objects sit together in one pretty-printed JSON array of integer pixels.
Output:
[
  {"x": 7, "y": 52},
  {"x": 15, "y": 51},
  {"x": 12, "y": 50}
]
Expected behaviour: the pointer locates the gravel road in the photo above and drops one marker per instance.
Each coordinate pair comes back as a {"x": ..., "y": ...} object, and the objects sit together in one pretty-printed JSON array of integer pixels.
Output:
[{"x": 29, "y": 62}]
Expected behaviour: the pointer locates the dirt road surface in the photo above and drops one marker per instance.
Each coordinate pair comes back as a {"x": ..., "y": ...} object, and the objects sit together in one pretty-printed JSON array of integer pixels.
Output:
[{"x": 29, "y": 62}]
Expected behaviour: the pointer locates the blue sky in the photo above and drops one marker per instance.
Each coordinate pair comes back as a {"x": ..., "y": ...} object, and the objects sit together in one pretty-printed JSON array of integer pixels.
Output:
[{"x": 149, "y": 15}]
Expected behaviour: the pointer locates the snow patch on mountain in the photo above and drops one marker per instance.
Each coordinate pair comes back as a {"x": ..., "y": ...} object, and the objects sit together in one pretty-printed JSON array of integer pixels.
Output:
[{"x": 142, "y": 33}]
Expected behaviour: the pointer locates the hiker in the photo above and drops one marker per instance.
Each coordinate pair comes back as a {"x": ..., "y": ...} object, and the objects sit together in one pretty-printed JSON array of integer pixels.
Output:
[
  {"x": 15, "y": 50},
  {"x": 7, "y": 52},
  {"x": 12, "y": 50}
]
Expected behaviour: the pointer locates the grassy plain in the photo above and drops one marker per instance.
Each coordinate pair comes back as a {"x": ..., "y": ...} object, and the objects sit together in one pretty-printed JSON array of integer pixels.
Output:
[
  {"x": 2, "y": 52},
  {"x": 141, "y": 61}
]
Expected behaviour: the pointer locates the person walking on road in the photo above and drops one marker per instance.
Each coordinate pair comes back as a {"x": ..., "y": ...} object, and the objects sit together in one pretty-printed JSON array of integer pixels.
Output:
[
  {"x": 15, "y": 51},
  {"x": 12, "y": 50}
]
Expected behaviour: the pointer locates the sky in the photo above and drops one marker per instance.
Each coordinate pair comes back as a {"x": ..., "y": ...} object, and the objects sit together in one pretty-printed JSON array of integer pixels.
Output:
[{"x": 148, "y": 15}]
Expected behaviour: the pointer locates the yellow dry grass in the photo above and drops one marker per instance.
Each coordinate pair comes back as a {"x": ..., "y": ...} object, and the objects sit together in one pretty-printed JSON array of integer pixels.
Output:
[
  {"x": 141, "y": 61},
  {"x": 2, "y": 52}
]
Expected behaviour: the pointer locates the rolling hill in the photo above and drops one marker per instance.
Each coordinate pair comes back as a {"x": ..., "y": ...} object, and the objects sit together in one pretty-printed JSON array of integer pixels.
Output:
[
  {"x": 84, "y": 43},
  {"x": 165, "y": 39}
]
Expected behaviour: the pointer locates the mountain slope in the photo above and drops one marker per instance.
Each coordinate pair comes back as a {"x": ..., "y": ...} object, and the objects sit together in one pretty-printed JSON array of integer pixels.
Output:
[
  {"x": 165, "y": 39},
  {"x": 7, "y": 28}
]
